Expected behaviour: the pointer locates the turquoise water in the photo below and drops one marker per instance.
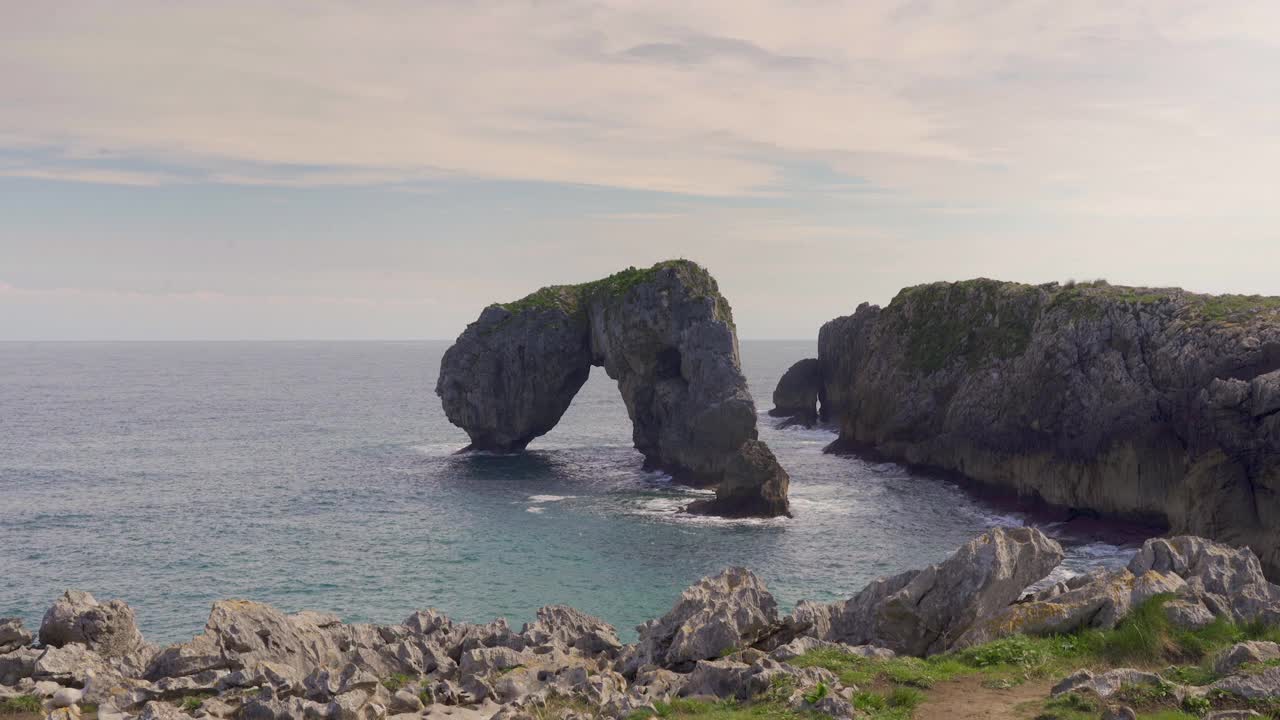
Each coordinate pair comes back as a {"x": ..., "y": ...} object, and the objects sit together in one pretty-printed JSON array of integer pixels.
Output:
[{"x": 322, "y": 476}]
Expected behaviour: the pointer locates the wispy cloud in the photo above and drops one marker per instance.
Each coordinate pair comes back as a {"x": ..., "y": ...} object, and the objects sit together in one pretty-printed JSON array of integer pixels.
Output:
[{"x": 1087, "y": 105}]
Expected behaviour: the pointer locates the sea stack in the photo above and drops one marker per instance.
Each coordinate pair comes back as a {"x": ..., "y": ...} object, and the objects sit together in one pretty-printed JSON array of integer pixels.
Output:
[
  {"x": 666, "y": 336},
  {"x": 1151, "y": 404}
]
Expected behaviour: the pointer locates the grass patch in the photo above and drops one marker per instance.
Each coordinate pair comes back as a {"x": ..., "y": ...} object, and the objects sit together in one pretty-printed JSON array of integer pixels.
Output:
[
  {"x": 20, "y": 704},
  {"x": 892, "y": 689},
  {"x": 573, "y": 299},
  {"x": 723, "y": 710},
  {"x": 1071, "y": 706},
  {"x": 397, "y": 681},
  {"x": 191, "y": 703}
]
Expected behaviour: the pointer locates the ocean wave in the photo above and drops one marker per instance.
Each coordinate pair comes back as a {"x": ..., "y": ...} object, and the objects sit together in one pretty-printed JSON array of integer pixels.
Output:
[
  {"x": 667, "y": 509},
  {"x": 550, "y": 498}
]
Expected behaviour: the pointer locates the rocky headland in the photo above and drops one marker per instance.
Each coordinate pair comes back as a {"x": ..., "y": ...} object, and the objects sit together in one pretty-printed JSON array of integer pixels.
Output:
[
  {"x": 987, "y": 614},
  {"x": 666, "y": 336},
  {"x": 1156, "y": 405}
]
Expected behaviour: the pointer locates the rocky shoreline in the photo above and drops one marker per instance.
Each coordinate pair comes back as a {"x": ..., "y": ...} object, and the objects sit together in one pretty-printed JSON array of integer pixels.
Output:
[
  {"x": 723, "y": 641},
  {"x": 1153, "y": 405}
]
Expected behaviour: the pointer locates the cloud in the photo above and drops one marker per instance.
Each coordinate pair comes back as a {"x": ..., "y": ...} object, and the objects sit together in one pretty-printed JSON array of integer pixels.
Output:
[{"x": 1095, "y": 107}]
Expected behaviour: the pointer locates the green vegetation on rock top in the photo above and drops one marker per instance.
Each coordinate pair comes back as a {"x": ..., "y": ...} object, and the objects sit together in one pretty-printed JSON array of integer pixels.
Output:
[
  {"x": 20, "y": 704},
  {"x": 891, "y": 689},
  {"x": 574, "y": 298},
  {"x": 983, "y": 320}
]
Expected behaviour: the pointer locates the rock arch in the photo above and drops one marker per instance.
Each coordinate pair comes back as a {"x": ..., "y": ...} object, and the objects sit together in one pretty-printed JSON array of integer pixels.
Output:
[{"x": 666, "y": 336}]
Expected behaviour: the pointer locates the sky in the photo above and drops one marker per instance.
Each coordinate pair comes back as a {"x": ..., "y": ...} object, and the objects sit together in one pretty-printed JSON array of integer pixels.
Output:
[{"x": 327, "y": 169}]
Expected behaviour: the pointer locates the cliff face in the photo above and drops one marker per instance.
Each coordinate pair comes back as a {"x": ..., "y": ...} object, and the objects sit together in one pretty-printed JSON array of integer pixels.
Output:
[
  {"x": 665, "y": 334},
  {"x": 1153, "y": 404}
]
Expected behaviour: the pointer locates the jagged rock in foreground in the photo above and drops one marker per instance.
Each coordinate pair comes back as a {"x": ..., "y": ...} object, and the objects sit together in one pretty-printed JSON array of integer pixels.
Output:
[
  {"x": 922, "y": 612},
  {"x": 797, "y": 394},
  {"x": 723, "y": 638},
  {"x": 1207, "y": 580},
  {"x": 665, "y": 334},
  {"x": 1152, "y": 404}
]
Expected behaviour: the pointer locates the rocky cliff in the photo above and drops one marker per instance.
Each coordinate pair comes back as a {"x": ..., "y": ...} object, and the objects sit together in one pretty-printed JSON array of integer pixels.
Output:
[
  {"x": 665, "y": 334},
  {"x": 1153, "y": 404}
]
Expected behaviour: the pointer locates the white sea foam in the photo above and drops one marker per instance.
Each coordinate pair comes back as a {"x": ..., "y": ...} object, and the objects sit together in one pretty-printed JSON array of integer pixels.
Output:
[
  {"x": 550, "y": 498},
  {"x": 534, "y": 509}
]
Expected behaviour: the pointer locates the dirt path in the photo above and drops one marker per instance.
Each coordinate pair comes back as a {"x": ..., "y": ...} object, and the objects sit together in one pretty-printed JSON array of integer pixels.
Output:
[{"x": 966, "y": 699}]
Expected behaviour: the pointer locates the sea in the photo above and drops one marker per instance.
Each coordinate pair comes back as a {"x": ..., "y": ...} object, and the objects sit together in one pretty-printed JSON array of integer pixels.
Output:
[{"x": 325, "y": 476}]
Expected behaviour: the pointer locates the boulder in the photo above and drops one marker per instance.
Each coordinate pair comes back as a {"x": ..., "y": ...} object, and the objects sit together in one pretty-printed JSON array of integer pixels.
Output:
[
  {"x": 719, "y": 614},
  {"x": 664, "y": 334},
  {"x": 754, "y": 485},
  {"x": 18, "y": 664},
  {"x": 161, "y": 711},
  {"x": 1106, "y": 684},
  {"x": 240, "y": 633},
  {"x": 929, "y": 611},
  {"x": 1252, "y": 651},
  {"x": 564, "y": 628},
  {"x": 1206, "y": 579},
  {"x": 72, "y": 664},
  {"x": 796, "y": 395},
  {"x": 13, "y": 635},
  {"x": 108, "y": 629},
  {"x": 1264, "y": 685},
  {"x": 66, "y": 697},
  {"x": 1219, "y": 577}
]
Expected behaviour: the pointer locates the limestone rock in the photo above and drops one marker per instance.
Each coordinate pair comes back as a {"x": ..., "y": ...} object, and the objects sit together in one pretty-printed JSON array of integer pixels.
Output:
[
  {"x": 562, "y": 627},
  {"x": 664, "y": 334},
  {"x": 1220, "y": 577},
  {"x": 13, "y": 635},
  {"x": 1144, "y": 403},
  {"x": 754, "y": 485},
  {"x": 1207, "y": 579},
  {"x": 796, "y": 395},
  {"x": 1106, "y": 684},
  {"x": 240, "y": 632},
  {"x": 729, "y": 611},
  {"x": 108, "y": 629},
  {"x": 71, "y": 664},
  {"x": 1099, "y": 600},
  {"x": 66, "y": 697},
  {"x": 1119, "y": 712},
  {"x": 161, "y": 711},
  {"x": 1251, "y": 686},
  {"x": 1252, "y": 651},
  {"x": 928, "y": 611},
  {"x": 17, "y": 665}
]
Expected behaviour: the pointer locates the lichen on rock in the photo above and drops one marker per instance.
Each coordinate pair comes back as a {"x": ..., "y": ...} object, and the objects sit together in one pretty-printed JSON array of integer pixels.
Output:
[{"x": 665, "y": 334}]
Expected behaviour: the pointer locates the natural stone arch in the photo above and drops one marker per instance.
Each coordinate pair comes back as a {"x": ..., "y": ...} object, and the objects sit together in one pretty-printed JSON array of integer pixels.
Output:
[{"x": 665, "y": 335}]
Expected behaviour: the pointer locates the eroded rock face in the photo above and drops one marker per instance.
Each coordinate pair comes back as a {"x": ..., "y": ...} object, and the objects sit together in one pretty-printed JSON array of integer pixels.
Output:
[
  {"x": 1151, "y": 404},
  {"x": 921, "y": 612},
  {"x": 13, "y": 635},
  {"x": 797, "y": 393},
  {"x": 664, "y": 334},
  {"x": 729, "y": 611},
  {"x": 108, "y": 629},
  {"x": 1207, "y": 580}
]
